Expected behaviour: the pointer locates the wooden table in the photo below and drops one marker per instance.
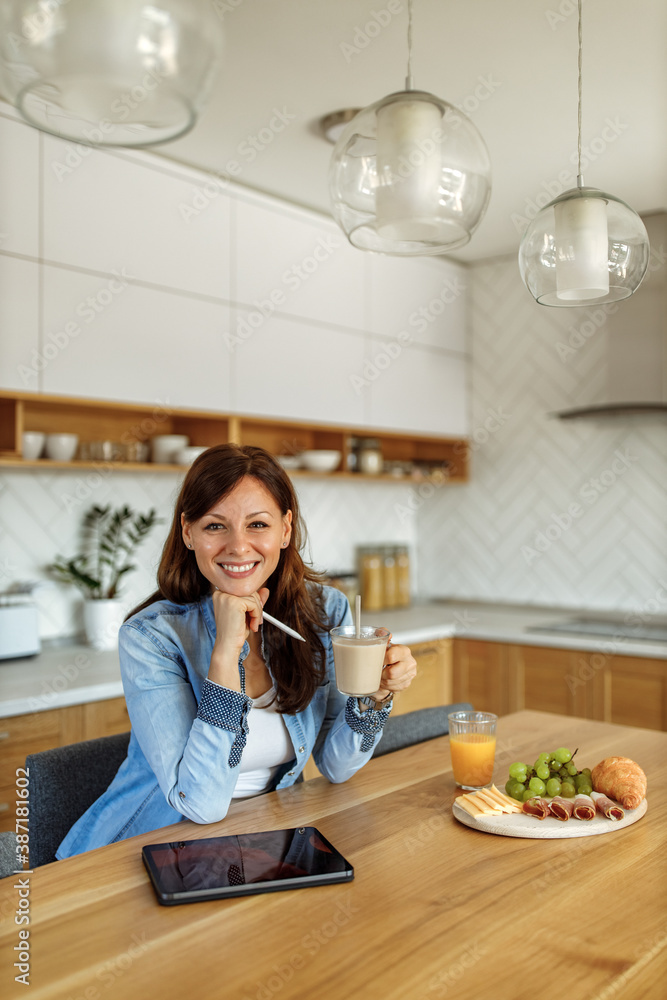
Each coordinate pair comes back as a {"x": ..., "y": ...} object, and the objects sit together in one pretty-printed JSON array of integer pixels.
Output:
[{"x": 436, "y": 909}]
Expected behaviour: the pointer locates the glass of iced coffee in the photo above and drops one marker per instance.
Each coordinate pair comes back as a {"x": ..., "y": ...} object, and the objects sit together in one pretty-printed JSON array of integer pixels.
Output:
[{"x": 359, "y": 658}]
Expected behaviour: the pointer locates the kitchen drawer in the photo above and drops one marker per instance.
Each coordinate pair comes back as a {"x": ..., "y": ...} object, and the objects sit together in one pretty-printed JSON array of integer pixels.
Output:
[
  {"x": 21, "y": 735},
  {"x": 105, "y": 718},
  {"x": 433, "y": 683}
]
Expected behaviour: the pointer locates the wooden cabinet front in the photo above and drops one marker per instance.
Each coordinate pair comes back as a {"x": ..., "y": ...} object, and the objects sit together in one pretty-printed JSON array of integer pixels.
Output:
[
  {"x": 21, "y": 735},
  {"x": 637, "y": 692},
  {"x": 433, "y": 683},
  {"x": 482, "y": 675},
  {"x": 507, "y": 677}
]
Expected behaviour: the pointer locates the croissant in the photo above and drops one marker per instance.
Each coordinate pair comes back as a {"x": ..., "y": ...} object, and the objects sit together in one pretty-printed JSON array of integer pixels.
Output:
[{"x": 621, "y": 779}]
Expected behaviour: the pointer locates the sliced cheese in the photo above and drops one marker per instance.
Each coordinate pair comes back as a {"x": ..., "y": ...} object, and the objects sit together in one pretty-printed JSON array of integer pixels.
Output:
[{"x": 488, "y": 802}]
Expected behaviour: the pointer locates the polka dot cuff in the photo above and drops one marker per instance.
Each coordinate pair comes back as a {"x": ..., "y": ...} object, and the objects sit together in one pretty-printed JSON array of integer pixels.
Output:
[
  {"x": 368, "y": 724},
  {"x": 226, "y": 709}
]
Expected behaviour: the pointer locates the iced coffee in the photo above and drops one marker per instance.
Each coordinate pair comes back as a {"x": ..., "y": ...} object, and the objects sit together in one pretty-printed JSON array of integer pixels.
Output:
[{"x": 359, "y": 659}]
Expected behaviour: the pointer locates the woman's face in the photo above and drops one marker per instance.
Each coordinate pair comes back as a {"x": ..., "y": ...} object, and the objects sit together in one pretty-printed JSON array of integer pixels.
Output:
[{"x": 237, "y": 544}]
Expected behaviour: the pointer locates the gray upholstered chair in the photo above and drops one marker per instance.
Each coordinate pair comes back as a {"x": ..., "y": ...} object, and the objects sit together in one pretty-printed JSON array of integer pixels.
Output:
[
  {"x": 415, "y": 727},
  {"x": 8, "y": 854},
  {"x": 64, "y": 782}
]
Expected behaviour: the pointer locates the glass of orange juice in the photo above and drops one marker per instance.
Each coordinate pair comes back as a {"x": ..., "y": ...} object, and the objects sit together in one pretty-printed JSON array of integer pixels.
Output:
[{"x": 472, "y": 741}]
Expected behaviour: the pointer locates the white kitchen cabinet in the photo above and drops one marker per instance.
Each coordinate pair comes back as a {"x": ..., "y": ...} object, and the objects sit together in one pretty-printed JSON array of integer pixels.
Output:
[
  {"x": 303, "y": 266},
  {"x": 128, "y": 342},
  {"x": 20, "y": 357},
  {"x": 424, "y": 297},
  {"x": 19, "y": 188},
  {"x": 111, "y": 211},
  {"x": 418, "y": 389},
  {"x": 297, "y": 370}
]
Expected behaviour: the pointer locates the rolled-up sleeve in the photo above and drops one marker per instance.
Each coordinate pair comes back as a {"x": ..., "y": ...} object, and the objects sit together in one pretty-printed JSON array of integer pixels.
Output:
[{"x": 193, "y": 750}]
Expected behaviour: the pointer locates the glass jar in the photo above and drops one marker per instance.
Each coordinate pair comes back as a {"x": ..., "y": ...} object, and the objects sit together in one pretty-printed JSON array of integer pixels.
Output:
[
  {"x": 353, "y": 454},
  {"x": 402, "y": 555},
  {"x": 389, "y": 577},
  {"x": 370, "y": 456},
  {"x": 370, "y": 578}
]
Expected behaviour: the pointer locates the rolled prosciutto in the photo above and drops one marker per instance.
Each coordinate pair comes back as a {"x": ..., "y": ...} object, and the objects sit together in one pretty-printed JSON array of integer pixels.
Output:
[
  {"x": 584, "y": 807},
  {"x": 537, "y": 807},
  {"x": 561, "y": 808},
  {"x": 607, "y": 806}
]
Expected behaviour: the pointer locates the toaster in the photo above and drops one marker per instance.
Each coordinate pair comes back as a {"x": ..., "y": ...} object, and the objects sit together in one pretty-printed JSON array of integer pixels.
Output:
[{"x": 19, "y": 631}]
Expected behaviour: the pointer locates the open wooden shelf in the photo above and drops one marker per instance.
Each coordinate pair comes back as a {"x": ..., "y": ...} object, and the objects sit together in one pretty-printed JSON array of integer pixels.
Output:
[{"x": 105, "y": 420}]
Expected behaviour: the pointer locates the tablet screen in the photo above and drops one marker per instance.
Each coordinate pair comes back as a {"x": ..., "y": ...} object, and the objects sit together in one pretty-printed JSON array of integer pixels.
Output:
[{"x": 190, "y": 870}]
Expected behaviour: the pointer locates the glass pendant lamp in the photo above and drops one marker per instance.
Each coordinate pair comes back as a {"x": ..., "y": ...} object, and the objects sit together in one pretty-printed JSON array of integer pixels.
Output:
[
  {"x": 585, "y": 247},
  {"x": 410, "y": 174},
  {"x": 109, "y": 72}
]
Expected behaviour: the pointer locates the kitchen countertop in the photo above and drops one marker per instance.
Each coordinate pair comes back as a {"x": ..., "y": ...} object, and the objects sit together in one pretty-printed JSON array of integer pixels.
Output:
[{"x": 71, "y": 673}]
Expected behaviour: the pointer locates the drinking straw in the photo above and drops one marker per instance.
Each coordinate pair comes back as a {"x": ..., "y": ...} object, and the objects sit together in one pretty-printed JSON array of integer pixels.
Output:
[{"x": 357, "y": 615}]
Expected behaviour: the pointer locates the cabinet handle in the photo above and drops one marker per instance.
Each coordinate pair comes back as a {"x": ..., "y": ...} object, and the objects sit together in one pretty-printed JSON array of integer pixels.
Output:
[
  {"x": 4, "y": 807},
  {"x": 4, "y": 736},
  {"x": 424, "y": 652}
]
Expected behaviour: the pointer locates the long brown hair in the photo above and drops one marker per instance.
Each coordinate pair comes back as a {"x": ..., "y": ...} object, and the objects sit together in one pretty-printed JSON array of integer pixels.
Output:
[{"x": 295, "y": 593}]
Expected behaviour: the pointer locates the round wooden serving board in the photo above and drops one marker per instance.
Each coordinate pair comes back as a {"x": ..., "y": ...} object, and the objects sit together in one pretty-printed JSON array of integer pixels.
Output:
[{"x": 522, "y": 825}]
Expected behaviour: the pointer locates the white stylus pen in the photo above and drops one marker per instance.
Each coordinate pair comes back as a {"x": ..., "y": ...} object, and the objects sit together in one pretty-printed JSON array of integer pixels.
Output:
[{"x": 274, "y": 621}]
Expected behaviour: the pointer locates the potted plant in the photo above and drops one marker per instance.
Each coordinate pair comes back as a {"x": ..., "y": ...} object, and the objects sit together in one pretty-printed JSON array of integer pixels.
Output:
[{"x": 111, "y": 538}]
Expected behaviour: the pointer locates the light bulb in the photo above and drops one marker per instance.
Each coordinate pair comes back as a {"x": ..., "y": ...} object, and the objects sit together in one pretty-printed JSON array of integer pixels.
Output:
[
  {"x": 582, "y": 269},
  {"x": 408, "y": 168}
]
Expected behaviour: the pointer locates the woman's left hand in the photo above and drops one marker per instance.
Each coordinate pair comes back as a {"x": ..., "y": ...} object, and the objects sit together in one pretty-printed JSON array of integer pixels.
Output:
[{"x": 398, "y": 672}]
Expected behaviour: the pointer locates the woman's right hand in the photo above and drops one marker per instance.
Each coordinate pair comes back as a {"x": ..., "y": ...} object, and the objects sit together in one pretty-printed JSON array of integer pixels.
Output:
[{"x": 235, "y": 618}]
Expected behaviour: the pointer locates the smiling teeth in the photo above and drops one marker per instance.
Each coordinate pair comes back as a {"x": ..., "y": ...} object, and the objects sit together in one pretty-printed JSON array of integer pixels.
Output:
[{"x": 237, "y": 569}]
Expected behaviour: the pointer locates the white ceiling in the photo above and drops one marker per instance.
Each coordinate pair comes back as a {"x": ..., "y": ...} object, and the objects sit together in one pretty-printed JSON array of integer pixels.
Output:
[{"x": 511, "y": 63}]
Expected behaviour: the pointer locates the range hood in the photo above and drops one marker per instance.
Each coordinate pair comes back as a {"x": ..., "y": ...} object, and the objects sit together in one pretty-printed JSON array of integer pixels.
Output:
[{"x": 635, "y": 332}]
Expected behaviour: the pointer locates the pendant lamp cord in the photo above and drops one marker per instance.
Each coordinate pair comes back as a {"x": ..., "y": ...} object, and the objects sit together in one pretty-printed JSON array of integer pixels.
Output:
[
  {"x": 408, "y": 79},
  {"x": 580, "y": 179}
]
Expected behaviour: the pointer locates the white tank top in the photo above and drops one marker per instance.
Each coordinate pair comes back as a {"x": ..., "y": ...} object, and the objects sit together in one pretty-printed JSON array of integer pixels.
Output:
[{"x": 268, "y": 745}]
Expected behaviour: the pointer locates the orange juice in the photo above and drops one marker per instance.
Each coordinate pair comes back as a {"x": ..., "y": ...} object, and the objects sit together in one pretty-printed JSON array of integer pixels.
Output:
[{"x": 472, "y": 758}]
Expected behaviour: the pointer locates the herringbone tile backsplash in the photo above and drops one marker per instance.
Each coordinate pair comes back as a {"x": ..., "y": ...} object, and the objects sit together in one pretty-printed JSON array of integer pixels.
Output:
[
  {"x": 40, "y": 516},
  {"x": 564, "y": 513},
  {"x": 567, "y": 514}
]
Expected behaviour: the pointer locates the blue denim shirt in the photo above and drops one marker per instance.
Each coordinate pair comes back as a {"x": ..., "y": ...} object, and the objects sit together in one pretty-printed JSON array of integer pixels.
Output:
[{"x": 188, "y": 733}]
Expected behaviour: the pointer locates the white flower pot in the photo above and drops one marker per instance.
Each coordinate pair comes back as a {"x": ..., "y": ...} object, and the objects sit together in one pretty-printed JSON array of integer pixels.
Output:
[{"x": 101, "y": 620}]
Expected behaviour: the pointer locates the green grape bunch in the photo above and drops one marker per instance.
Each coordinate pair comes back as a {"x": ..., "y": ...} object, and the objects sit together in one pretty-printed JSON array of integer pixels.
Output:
[{"x": 552, "y": 774}]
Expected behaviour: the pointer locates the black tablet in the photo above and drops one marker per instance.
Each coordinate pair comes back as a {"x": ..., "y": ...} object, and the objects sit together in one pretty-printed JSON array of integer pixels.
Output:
[{"x": 188, "y": 871}]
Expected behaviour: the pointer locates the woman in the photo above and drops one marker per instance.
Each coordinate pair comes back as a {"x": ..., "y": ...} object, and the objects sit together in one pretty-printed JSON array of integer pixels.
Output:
[{"x": 222, "y": 706}]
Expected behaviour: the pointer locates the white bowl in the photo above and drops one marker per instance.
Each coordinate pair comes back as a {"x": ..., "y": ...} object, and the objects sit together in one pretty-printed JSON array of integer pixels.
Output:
[
  {"x": 320, "y": 460},
  {"x": 186, "y": 456},
  {"x": 289, "y": 461},
  {"x": 32, "y": 444},
  {"x": 165, "y": 446},
  {"x": 61, "y": 447}
]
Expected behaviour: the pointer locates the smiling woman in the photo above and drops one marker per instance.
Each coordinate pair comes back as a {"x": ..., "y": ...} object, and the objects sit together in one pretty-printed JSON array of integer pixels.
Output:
[{"x": 220, "y": 707}]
